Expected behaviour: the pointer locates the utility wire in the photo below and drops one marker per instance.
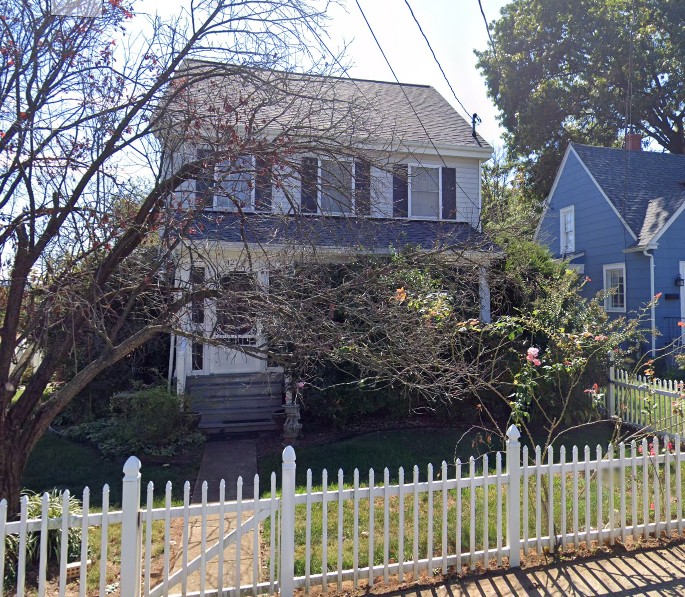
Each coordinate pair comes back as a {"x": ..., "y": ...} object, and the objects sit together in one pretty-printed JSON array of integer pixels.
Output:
[
  {"x": 392, "y": 70},
  {"x": 487, "y": 28},
  {"x": 428, "y": 43}
]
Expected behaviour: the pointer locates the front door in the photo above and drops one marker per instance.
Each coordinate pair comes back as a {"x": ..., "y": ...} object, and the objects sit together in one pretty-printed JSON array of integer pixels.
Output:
[{"x": 236, "y": 325}]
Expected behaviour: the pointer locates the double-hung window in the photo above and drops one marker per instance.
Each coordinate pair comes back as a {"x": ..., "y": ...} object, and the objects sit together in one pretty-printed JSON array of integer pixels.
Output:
[
  {"x": 337, "y": 182},
  {"x": 567, "y": 230},
  {"x": 424, "y": 196},
  {"x": 615, "y": 287},
  {"x": 235, "y": 184}
]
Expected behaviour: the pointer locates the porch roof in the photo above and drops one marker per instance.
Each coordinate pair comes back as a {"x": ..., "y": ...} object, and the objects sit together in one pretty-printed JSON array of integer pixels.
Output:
[{"x": 377, "y": 235}]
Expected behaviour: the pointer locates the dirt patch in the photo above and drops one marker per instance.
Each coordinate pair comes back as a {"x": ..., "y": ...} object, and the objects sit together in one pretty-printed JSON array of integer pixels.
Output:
[{"x": 530, "y": 564}]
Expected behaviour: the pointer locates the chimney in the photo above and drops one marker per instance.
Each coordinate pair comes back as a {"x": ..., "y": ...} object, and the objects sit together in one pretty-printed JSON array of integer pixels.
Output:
[{"x": 633, "y": 142}]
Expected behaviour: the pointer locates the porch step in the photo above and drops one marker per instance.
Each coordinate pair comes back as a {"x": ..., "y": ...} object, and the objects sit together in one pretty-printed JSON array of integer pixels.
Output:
[{"x": 237, "y": 402}]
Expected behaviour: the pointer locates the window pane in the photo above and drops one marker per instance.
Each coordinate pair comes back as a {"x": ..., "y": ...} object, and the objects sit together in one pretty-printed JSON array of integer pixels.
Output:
[
  {"x": 204, "y": 184},
  {"x": 198, "y": 356},
  {"x": 197, "y": 305},
  {"x": 235, "y": 309},
  {"x": 336, "y": 186},
  {"x": 615, "y": 283},
  {"x": 236, "y": 182},
  {"x": 425, "y": 197}
]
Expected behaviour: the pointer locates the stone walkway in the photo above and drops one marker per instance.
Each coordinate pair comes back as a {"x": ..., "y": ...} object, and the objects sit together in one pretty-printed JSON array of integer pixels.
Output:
[{"x": 225, "y": 459}]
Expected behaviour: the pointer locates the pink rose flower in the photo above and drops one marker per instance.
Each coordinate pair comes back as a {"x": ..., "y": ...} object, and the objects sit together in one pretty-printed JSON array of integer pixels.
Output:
[{"x": 532, "y": 356}]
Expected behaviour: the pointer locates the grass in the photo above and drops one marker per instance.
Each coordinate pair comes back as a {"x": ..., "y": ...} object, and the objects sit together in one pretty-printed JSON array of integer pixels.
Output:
[
  {"x": 406, "y": 448},
  {"x": 61, "y": 463},
  {"x": 422, "y": 446}
]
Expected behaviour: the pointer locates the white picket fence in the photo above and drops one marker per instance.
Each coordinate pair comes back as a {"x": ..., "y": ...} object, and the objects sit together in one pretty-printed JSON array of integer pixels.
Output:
[
  {"x": 460, "y": 517},
  {"x": 646, "y": 402}
]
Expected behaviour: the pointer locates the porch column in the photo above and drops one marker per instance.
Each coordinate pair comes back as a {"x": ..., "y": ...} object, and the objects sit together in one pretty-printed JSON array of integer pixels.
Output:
[
  {"x": 484, "y": 293},
  {"x": 181, "y": 364}
]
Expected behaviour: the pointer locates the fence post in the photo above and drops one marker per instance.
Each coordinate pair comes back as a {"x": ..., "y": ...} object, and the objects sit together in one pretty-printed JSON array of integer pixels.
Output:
[
  {"x": 514, "y": 496},
  {"x": 131, "y": 532},
  {"x": 611, "y": 394},
  {"x": 287, "y": 567}
]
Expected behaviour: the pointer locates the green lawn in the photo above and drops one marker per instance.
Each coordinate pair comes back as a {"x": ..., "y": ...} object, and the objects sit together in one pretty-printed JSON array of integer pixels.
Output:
[
  {"x": 60, "y": 463},
  {"x": 406, "y": 448}
]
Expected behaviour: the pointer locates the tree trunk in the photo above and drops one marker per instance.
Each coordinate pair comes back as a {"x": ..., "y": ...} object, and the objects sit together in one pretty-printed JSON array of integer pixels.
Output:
[{"x": 13, "y": 458}]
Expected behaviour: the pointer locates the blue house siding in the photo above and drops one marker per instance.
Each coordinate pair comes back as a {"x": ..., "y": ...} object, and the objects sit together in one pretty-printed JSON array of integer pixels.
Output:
[
  {"x": 668, "y": 255},
  {"x": 651, "y": 195},
  {"x": 600, "y": 234}
]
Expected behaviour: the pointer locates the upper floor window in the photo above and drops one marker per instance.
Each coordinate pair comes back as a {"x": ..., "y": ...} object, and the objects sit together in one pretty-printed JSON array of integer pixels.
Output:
[
  {"x": 424, "y": 192},
  {"x": 567, "y": 230},
  {"x": 241, "y": 183},
  {"x": 334, "y": 186},
  {"x": 235, "y": 184},
  {"x": 424, "y": 195},
  {"x": 615, "y": 287},
  {"x": 337, "y": 187}
]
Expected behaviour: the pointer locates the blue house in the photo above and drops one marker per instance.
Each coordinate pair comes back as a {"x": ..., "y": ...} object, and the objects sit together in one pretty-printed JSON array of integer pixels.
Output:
[{"x": 617, "y": 216}]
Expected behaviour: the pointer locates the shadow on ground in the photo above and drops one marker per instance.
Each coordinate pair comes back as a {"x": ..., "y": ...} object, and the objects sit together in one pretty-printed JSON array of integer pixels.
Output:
[{"x": 649, "y": 572}]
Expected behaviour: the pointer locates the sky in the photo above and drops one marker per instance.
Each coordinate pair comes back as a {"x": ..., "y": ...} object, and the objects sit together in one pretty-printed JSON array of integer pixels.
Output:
[{"x": 454, "y": 28}]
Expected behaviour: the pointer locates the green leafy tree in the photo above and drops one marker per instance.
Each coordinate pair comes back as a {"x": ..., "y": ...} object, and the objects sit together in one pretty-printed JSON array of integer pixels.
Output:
[{"x": 561, "y": 71}]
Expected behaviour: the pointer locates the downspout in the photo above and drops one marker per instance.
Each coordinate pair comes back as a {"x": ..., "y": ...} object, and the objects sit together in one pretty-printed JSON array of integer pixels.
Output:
[{"x": 653, "y": 304}]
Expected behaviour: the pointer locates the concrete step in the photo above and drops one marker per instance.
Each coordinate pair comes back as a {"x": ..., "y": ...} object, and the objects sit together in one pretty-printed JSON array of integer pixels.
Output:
[
  {"x": 240, "y": 402},
  {"x": 231, "y": 379},
  {"x": 237, "y": 391},
  {"x": 237, "y": 406}
]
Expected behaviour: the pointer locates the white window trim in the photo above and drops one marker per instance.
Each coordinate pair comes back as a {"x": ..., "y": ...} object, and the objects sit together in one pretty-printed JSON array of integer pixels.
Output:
[
  {"x": 563, "y": 250},
  {"x": 319, "y": 191},
  {"x": 605, "y": 268},
  {"x": 409, "y": 193},
  {"x": 253, "y": 198}
]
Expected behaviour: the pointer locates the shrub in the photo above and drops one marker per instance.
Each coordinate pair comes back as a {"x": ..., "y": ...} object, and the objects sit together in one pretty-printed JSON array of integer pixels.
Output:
[
  {"x": 149, "y": 422},
  {"x": 35, "y": 509}
]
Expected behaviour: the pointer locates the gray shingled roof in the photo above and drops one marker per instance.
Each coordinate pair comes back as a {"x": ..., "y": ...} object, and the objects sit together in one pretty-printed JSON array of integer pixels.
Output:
[
  {"x": 646, "y": 187},
  {"x": 333, "y": 107},
  {"x": 363, "y": 234}
]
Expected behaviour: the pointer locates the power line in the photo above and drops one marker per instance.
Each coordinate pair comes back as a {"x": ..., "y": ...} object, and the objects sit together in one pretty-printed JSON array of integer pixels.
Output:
[
  {"x": 487, "y": 28},
  {"x": 436, "y": 58},
  {"x": 392, "y": 70}
]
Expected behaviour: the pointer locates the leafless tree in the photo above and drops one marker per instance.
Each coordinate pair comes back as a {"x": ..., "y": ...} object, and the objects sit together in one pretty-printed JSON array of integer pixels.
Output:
[{"x": 90, "y": 162}]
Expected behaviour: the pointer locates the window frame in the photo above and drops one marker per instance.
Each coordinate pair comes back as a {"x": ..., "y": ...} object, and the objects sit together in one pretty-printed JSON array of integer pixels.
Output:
[
  {"x": 319, "y": 189},
  {"x": 410, "y": 216},
  {"x": 606, "y": 268},
  {"x": 563, "y": 249},
  {"x": 218, "y": 184},
  {"x": 252, "y": 333}
]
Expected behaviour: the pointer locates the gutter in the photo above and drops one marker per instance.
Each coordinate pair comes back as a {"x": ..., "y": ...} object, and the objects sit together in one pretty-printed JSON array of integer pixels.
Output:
[{"x": 653, "y": 305}]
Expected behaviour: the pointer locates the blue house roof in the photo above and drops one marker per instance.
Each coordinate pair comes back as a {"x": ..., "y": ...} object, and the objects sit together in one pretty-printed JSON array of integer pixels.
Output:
[{"x": 647, "y": 188}]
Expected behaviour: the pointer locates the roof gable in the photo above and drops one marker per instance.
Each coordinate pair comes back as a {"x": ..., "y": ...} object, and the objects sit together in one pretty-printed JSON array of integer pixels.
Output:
[{"x": 645, "y": 188}]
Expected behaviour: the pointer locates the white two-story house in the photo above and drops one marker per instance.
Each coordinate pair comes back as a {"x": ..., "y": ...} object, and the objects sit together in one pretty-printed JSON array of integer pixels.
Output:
[{"x": 332, "y": 165}]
